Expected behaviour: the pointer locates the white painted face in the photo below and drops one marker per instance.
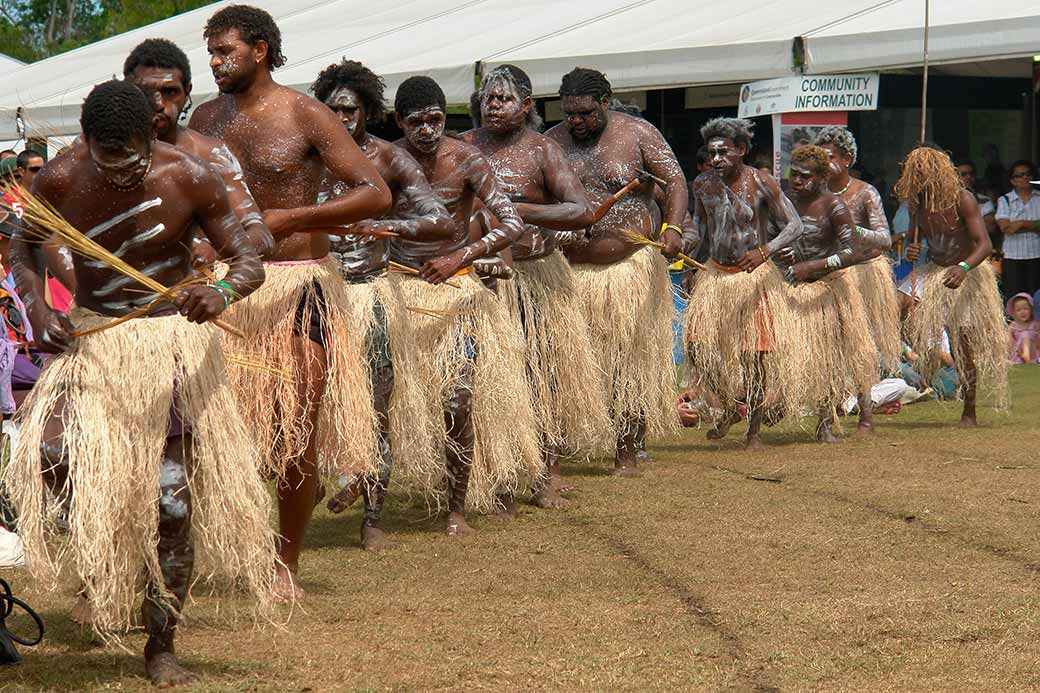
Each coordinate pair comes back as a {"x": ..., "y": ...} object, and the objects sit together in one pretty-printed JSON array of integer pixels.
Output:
[
  {"x": 347, "y": 106},
  {"x": 724, "y": 155},
  {"x": 424, "y": 128},
  {"x": 840, "y": 161},
  {"x": 803, "y": 181},
  {"x": 501, "y": 108}
]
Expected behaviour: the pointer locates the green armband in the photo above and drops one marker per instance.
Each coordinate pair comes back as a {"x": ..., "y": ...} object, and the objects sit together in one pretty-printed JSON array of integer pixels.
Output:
[{"x": 965, "y": 265}]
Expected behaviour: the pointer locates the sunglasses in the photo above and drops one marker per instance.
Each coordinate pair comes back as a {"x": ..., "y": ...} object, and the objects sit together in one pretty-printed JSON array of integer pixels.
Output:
[
  {"x": 1020, "y": 175},
  {"x": 35, "y": 169}
]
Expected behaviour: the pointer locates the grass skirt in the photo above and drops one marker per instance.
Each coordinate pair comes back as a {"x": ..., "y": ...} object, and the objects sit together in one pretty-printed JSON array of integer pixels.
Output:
[
  {"x": 972, "y": 314},
  {"x": 272, "y": 404},
  {"x": 731, "y": 319},
  {"x": 415, "y": 430},
  {"x": 118, "y": 388},
  {"x": 832, "y": 338},
  {"x": 470, "y": 325},
  {"x": 567, "y": 385},
  {"x": 629, "y": 308},
  {"x": 877, "y": 286}
]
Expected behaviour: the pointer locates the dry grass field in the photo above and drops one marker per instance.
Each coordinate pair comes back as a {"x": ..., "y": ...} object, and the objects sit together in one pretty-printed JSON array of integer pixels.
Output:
[{"x": 907, "y": 562}]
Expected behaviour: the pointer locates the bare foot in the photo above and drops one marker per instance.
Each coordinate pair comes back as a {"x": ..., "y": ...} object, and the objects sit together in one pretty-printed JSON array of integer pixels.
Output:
[
  {"x": 285, "y": 587},
  {"x": 319, "y": 494},
  {"x": 626, "y": 470},
  {"x": 505, "y": 506},
  {"x": 344, "y": 498},
  {"x": 969, "y": 421},
  {"x": 83, "y": 611},
  {"x": 457, "y": 526},
  {"x": 754, "y": 443},
  {"x": 374, "y": 539},
  {"x": 722, "y": 427},
  {"x": 550, "y": 499},
  {"x": 865, "y": 429},
  {"x": 559, "y": 485},
  {"x": 166, "y": 672},
  {"x": 642, "y": 457},
  {"x": 826, "y": 437}
]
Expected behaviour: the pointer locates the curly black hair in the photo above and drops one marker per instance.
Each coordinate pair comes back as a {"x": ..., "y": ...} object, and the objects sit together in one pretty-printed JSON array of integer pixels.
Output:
[
  {"x": 253, "y": 25},
  {"x": 158, "y": 52},
  {"x": 359, "y": 79},
  {"x": 114, "y": 112},
  {"x": 416, "y": 93},
  {"x": 581, "y": 81},
  {"x": 740, "y": 130}
]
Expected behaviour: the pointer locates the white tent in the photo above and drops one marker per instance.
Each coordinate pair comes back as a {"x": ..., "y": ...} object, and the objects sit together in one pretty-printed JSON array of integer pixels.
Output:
[
  {"x": 889, "y": 35},
  {"x": 9, "y": 64}
]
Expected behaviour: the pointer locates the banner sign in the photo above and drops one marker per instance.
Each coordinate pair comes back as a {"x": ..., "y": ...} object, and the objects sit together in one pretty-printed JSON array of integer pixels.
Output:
[{"x": 856, "y": 92}]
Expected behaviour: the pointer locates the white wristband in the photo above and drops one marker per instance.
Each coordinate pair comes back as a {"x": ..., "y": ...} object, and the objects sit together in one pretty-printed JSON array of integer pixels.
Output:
[{"x": 833, "y": 262}]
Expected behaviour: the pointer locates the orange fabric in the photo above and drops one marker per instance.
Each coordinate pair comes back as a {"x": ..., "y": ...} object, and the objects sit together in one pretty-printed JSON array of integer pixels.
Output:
[
  {"x": 728, "y": 269},
  {"x": 763, "y": 324}
]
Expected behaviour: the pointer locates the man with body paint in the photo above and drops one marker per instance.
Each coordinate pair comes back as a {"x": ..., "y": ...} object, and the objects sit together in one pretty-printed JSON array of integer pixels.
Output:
[
  {"x": 471, "y": 350},
  {"x": 624, "y": 287},
  {"x": 305, "y": 417},
  {"x": 824, "y": 296},
  {"x": 873, "y": 272},
  {"x": 162, "y": 71},
  {"x": 566, "y": 385},
  {"x": 736, "y": 311},
  {"x": 355, "y": 95},
  {"x": 182, "y": 441},
  {"x": 956, "y": 290}
]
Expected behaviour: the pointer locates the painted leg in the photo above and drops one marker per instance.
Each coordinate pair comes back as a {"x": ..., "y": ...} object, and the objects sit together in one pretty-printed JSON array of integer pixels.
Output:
[
  {"x": 825, "y": 428},
  {"x": 177, "y": 561},
  {"x": 547, "y": 494},
  {"x": 756, "y": 410},
  {"x": 458, "y": 422},
  {"x": 375, "y": 488},
  {"x": 866, "y": 415},
  {"x": 626, "y": 463},
  {"x": 969, "y": 376},
  {"x": 296, "y": 492}
]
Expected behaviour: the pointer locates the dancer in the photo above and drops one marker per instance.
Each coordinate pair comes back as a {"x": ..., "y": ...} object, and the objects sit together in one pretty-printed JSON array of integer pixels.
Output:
[
  {"x": 566, "y": 384},
  {"x": 147, "y": 484},
  {"x": 736, "y": 311},
  {"x": 355, "y": 95},
  {"x": 624, "y": 286},
  {"x": 162, "y": 71},
  {"x": 956, "y": 291},
  {"x": 472, "y": 352},
  {"x": 873, "y": 270},
  {"x": 299, "y": 319},
  {"x": 833, "y": 338}
]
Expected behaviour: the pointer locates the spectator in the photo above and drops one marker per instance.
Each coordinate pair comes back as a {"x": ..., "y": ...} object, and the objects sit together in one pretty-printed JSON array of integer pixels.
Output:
[
  {"x": 945, "y": 383},
  {"x": 1018, "y": 216},
  {"x": 703, "y": 160},
  {"x": 1023, "y": 331},
  {"x": 30, "y": 163},
  {"x": 966, "y": 167},
  {"x": 7, "y": 154},
  {"x": 994, "y": 178}
]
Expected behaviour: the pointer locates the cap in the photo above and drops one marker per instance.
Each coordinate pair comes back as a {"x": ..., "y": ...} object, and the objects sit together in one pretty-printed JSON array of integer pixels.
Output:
[{"x": 8, "y": 165}]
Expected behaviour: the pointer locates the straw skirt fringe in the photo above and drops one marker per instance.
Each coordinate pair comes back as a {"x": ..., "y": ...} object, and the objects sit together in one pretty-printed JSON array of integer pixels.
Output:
[
  {"x": 415, "y": 430},
  {"x": 877, "y": 286},
  {"x": 972, "y": 314},
  {"x": 474, "y": 330},
  {"x": 568, "y": 387},
  {"x": 118, "y": 387},
  {"x": 273, "y": 405},
  {"x": 733, "y": 319},
  {"x": 629, "y": 309}
]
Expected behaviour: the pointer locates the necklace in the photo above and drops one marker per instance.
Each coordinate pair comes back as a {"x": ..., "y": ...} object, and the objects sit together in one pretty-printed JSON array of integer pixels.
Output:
[
  {"x": 135, "y": 186},
  {"x": 842, "y": 191}
]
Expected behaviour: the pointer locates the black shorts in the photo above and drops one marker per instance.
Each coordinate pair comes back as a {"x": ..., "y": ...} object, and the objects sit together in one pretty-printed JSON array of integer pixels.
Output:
[{"x": 314, "y": 302}]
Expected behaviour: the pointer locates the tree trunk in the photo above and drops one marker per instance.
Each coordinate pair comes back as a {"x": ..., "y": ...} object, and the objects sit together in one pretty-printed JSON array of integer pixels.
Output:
[
  {"x": 70, "y": 16},
  {"x": 52, "y": 22}
]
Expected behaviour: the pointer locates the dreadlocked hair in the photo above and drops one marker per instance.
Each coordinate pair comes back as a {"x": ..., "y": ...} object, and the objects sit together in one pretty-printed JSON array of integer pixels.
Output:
[
  {"x": 517, "y": 81},
  {"x": 359, "y": 79},
  {"x": 841, "y": 138},
  {"x": 114, "y": 112},
  {"x": 813, "y": 158},
  {"x": 740, "y": 130},
  {"x": 158, "y": 52},
  {"x": 929, "y": 179},
  {"x": 581, "y": 81},
  {"x": 417, "y": 93},
  {"x": 253, "y": 25}
]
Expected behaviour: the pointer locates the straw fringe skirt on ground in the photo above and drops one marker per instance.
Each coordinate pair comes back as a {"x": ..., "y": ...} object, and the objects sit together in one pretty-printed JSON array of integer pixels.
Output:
[
  {"x": 275, "y": 318},
  {"x": 114, "y": 391},
  {"x": 973, "y": 315},
  {"x": 877, "y": 286},
  {"x": 567, "y": 384},
  {"x": 415, "y": 429},
  {"x": 629, "y": 309},
  {"x": 833, "y": 339},
  {"x": 467, "y": 338},
  {"x": 732, "y": 318}
]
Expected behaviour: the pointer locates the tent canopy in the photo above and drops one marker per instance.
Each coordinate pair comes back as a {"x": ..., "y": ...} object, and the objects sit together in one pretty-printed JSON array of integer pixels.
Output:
[{"x": 639, "y": 44}]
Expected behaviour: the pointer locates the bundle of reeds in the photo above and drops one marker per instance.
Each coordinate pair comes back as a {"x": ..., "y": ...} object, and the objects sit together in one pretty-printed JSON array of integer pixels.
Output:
[{"x": 637, "y": 238}]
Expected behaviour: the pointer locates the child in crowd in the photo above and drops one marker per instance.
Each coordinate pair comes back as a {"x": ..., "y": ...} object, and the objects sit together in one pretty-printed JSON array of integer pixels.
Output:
[{"x": 1023, "y": 331}]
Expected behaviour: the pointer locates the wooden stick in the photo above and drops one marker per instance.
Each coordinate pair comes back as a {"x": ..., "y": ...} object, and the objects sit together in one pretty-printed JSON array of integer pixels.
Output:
[
  {"x": 615, "y": 198},
  {"x": 660, "y": 181}
]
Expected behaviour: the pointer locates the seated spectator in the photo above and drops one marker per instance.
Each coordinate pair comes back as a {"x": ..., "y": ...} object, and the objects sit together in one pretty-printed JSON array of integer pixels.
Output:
[
  {"x": 1018, "y": 216},
  {"x": 945, "y": 383},
  {"x": 1023, "y": 330}
]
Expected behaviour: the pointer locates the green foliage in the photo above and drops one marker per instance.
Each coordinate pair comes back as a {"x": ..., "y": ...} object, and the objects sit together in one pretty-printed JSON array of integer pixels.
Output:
[{"x": 35, "y": 29}]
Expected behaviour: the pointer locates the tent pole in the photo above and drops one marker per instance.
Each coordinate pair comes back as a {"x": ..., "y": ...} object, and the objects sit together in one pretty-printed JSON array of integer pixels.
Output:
[{"x": 924, "y": 79}]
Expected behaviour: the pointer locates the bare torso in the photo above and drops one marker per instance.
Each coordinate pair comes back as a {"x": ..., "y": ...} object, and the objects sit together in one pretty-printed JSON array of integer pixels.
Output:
[
  {"x": 864, "y": 204},
  {"x": 736, "y": 217},
  {"x": 822, "y": 234}
]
